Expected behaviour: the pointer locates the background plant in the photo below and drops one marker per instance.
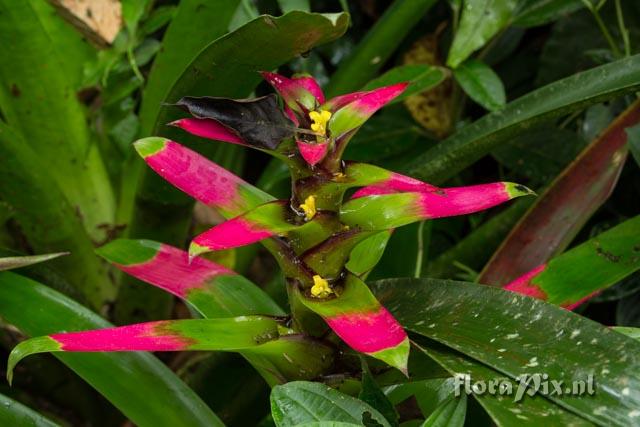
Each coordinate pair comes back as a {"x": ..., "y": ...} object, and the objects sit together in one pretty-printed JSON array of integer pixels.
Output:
[{"x": 70, "y": 181}]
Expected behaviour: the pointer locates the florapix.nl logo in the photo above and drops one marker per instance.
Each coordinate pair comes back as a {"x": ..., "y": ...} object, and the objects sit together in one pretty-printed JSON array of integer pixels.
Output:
[{"x": 524, "y": 385}]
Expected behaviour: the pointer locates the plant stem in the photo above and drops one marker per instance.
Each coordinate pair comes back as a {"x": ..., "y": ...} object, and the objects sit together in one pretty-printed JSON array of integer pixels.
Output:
[
  {"x": 455, "y": 18},
  {"x": 603, "y": 28},
  {"x": 421, "y": 247},
  {"x": 623, "y": 30},
  {"x": 134, "y": 65},
  {"x": 571, "y": 117}
]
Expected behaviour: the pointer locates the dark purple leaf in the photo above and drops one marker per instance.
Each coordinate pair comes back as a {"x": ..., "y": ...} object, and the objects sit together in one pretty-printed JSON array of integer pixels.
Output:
[{"x": 259, "y": 122}]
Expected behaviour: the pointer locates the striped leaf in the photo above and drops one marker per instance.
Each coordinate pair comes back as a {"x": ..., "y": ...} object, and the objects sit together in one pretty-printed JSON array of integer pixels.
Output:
[
  {"x": 380, "y": 212},
  {"x": 301, "y": 94},
  {"x": 578, "y": 274},
  {"x": 352, "y": 110},
  {"x": 526, "y": 336},
  {"x": 357, "y": 317},
  {"x": 199, "y": 177},
  {"x": 258, "y": 224},
  {"x": 212, "y": 289},
  {"x": 561, "y": 211},
  {"x": 36, "y": 309},
  {"x": 229, "y": 334}
]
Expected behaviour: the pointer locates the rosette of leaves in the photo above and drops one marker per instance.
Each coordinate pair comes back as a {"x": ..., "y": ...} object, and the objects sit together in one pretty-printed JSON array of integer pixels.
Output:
[{"x": 311, "y": 235}]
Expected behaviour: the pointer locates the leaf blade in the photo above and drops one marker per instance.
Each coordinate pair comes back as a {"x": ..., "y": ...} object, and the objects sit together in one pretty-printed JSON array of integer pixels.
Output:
[
  {"x": 502, "y": 409},
  {"x": 9, "y": 263},
  {"x": 578, "y": 274},
  {"x": 46, "y": 63},
  {"x": 452, "y": 308},
  {"x": 224, "y": 334},
  {"x": 360, "y": 321},
  {"x": 212, "y": 289},
  {"x": 480, "y": 21},
  {"x": 13, "y": 413},
  {"x": 479, "y": 138},
  {"x": 420, "y": 77},
  {"x": 302, "y": 402},
  {"x": 565, "y": 206},
  {"x": 482, "y": 84},
  {"x": 450, "y": 413},
  {"x": 146, "y": 375}
]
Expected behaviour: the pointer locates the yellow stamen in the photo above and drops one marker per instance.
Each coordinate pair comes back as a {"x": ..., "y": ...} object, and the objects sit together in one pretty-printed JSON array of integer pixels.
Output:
[
  {"x": 320, "y": 288},
  {"x": 320, "y": 119},
  {"x": 309, "y": 207}
]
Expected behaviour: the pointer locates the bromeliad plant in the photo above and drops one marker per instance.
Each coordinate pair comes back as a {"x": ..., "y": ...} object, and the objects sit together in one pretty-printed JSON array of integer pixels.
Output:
[{"x": 312, "y": 236}]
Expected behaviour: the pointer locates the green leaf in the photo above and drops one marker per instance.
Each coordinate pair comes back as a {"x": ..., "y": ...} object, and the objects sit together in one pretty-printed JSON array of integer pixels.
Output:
[
  {"x": 587, "y": 268},
  {"x": 429, "y": 393},
  {"x": 386, "y": 211},
  {"x": 245, "y": 12},
  {"x": 239, "y": 395},
  {"x": 630, "y": 332},
  {"x": 44, "y": 273},
  {"x": 374, "y": 396},
  {"x": 126, "y": 379},
  {"x": 451, "y": 413},
  {"x": 622, "y": 289},
  {"x": 504, "y": 411},
  {"x": 532, "y": 13},
  {"x": 291, "y": 357},
  {"x": 573, "y": 93},
  {"x": 213, "y": 290},
  {"x": 367, "y": 253},
  {"x": 481, "y": 83},
  {"x": 303, "y": 402},
  {"x": 222, "y": 334},
  {"x": 14, "y": 413},
  {"x": 267, "y": 43},
  {"x": 380, "y": 42},
  {"x": 506, "y": 331},
  {"x": 158, "y": 18},
  {"x": 46, "y": 218},
  {"x": 565, "y": 54},
  {"x": 41, "y": 73},
  {"x": 403, "y": 252},
  {"x": 328, "y": 424},
  {"x": 217, "y": 292},
  {"x": 564, "y": 207},
  {"x": 11, "y": 262},
  {"x": 633, "y": 142},
  {"x": 132, "y": 12},
  {"x": 194, "y": 26},
  {"x": 420, "y": 77},
  {"x": 480, "y": 21}
]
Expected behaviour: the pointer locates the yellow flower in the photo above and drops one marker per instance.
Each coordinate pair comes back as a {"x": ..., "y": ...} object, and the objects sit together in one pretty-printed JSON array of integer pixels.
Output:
[
  {"x": 320, "y": 120},
  {"x": 309, "y": 207},
  {"x": 320, "y": 288}
]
